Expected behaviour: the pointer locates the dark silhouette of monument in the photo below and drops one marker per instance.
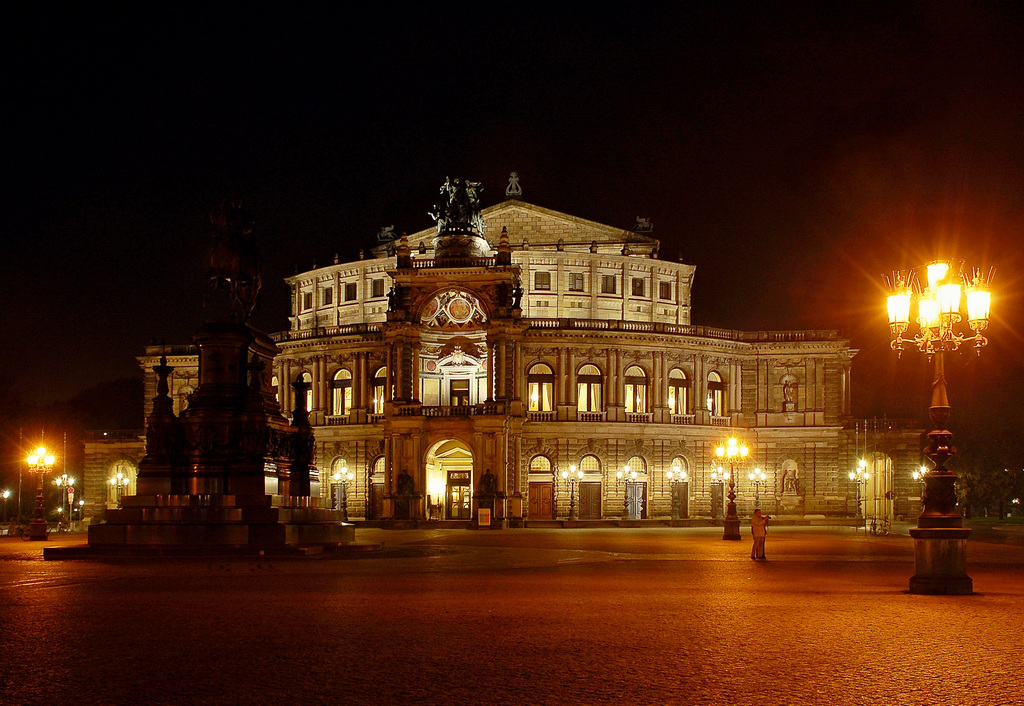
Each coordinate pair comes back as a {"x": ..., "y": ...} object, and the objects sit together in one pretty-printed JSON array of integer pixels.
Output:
[{"x": 229, "y": 473}]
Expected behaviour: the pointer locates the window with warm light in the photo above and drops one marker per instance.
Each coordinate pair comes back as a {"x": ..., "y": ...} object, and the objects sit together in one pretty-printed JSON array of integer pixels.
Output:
[
  {"x": 716, "y": 395},
  {"x": 589, "y": 388},
  {"x": 678, "y": 392},
  {"x": 540, "y": 383},
  {"x": 636, "y": 389},
  {"x": 379, "y": 383},
  {"x": 308, "y": 379},
  {"x": 341, "y": 392}
]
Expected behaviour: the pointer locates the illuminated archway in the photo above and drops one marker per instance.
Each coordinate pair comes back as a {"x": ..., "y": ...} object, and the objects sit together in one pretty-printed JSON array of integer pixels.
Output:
[{"x": 449, "y": 476}]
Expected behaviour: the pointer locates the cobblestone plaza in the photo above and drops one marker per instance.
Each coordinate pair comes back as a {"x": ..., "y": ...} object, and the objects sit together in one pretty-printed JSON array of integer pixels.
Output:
[{"x": 655, "y": 615}]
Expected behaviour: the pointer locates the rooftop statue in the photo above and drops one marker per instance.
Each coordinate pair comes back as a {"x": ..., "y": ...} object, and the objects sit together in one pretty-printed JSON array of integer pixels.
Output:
[
  {"x": 459, "y": 211},
  {"x": 234, "y": 265}
]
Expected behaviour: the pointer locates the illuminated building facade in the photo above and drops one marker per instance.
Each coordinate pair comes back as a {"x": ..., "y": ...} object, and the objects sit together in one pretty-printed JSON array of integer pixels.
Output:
[{"x": 449, "y": 371}]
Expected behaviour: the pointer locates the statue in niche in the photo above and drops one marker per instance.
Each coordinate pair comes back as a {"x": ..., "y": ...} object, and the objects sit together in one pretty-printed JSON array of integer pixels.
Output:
[
  {"x": 234, "y": 265},
  {"x": 788, "y": 405},
  {"x": 789, "y": 484},
  {"x": 488, "y": 483},
  {"x": 405, "y": 485},
  {"x": 459, "y": 210}
]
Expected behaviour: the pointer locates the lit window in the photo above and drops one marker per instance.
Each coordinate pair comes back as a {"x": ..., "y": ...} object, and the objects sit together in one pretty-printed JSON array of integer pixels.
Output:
[
  {"x": 459, "y": 390},
  {"x": 542, "y": 280},
  {"x": 636, "y": 389},
  {"x": 540, "y": 464},
  {"x": 379, "y": 383},
  {"x": 341, "y": 392},
  {"x": 308, "y": 379},
  {"x": 716, "y": 395},
  {"x": 678, "y": 392},
  {"x": 540, "y": 382},
  {"x": 589, "y": 383}
]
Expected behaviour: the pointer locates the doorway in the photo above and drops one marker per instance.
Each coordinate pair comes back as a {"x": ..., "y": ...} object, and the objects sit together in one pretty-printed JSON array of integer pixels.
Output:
[
  {"x": 541, "y": 505},
  {"x": 590, "y": 501},
  {"x": 449, "y": 476},
  {"x": 636, "y": 500}
]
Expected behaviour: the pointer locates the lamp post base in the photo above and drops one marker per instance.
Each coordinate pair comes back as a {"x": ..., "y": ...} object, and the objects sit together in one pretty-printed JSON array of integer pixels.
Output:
[
  {"x": 940, "y": 559},
  {"x": 732, "y": 528},
  {"x": 37, "y": 530}
]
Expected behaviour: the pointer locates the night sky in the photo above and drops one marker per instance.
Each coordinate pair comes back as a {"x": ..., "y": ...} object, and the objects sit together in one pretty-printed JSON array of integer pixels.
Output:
[{"x": 792, "y": 153}]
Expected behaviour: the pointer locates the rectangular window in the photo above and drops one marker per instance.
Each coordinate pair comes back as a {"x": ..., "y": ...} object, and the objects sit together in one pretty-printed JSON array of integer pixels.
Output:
[
  {"x": 665, "y": 290},
  {"x": 459, "y": 393},
  {"x": 638, "y": 287},
  {"x": 542, "y": 280},
  {"x": 377, "y": 288},
  {"x": 350, "y": 291},
  {"x": 328, "y": 296},
  {"x": 575, "y": 281},
  {"x": 607, "y": 284},
  {"x": 307, "y": 300}
]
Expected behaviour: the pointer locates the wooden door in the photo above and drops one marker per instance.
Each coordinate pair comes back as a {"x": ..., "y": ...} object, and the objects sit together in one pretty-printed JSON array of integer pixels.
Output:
[
  {"x": 680, "y": 501},
  {"x": 541, "y": 506},
  {"x": 717, "y": 498},
  {"x": 376, "y": 508},
  {"x": 636, "y": 500},
  {"x": 590, "y": 501}
]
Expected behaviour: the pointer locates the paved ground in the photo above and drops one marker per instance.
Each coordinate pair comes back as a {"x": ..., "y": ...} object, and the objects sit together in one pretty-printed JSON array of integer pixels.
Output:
[{"x": 654, "y": 615}]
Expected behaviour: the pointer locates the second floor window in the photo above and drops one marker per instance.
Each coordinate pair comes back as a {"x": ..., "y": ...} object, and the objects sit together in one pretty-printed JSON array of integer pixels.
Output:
[
  {"x": 540, "y": 382},
  {"x": 607, "y": 284},
  {"x": 589, "y": 383},
  {"x": 542, "y": 280},
  {"x": 377, "y": 287},
  {"x": 307, "y": 300},
  {"x": 678, "y": 392},
  {"x": 636, "y": 389},
  {"x": 575, "y": 281},
  {"x": 341, "y": 392},
  {"x": 350, "y": 291},
  {"x": 665, "y": 290},
  {"x": 638, "y": 287}
]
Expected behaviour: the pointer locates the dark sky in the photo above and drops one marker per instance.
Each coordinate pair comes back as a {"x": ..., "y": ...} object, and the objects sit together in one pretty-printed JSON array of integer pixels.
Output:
[{"x": 793, "y": 153}]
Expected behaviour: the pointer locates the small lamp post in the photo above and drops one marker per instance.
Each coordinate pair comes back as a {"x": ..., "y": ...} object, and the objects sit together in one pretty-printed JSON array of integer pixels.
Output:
[
  {"x": 940, "y": 538},
  {"x": 860, "y": 477},
  {"x": 67, "y": 488},
  {"x": 678, "y": 477},
  {"x": 758, "y": 478},
  {"x": 81, "y": 510},
  {"x": 39, "y": 462},
  {"x": 6, "y": 494},
  {"x": 718, "y": 477},
  {"x": 342, "y": 478},
  {"x": 572, "y": 477},
  {"x": 625, "y": 476},
  {"x": 119, "y": 482},
  {"x": 734, "y": 452}
]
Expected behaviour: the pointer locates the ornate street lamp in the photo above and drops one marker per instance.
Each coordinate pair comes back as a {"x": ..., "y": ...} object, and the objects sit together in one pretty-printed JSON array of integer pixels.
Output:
[
  {"x": 625, "y": 476},
  {"x": 940, "y": 538},
  {"x": 758, "y": 478},
  {"x": 67, "y": 485},
  {"x": 39, "y": 462},
  {"x": 342, "y": 478},
  {"x": 678, "y": 477},
  {"x": 718, "y": 477},
  {"x": 734, "y": 452},
  {"x": 860, "y": 478},
  {"x": 119, "y": 482},
  {"x": 572, "y": 477}
]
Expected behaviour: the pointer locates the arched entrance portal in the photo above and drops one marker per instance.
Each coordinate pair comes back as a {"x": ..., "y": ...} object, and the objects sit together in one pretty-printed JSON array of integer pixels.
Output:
[{"x": 449, "y": 466}]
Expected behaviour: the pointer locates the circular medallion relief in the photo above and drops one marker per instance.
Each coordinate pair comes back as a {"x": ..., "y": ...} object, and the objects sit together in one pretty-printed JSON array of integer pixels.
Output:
[
  {"x": 431, "y": 366},
  {"x": 460, "y": 310},
  {"x": 432, "y": 307}
]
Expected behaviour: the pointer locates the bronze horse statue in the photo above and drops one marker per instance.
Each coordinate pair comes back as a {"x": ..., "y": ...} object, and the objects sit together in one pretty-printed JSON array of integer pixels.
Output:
[{"x": 234, "y": 264}]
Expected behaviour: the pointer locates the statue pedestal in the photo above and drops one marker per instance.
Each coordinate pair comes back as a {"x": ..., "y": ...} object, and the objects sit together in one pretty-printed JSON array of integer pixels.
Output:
[
  {"x": 732, "y": 529},
  {"x": 940, "y": 559}
]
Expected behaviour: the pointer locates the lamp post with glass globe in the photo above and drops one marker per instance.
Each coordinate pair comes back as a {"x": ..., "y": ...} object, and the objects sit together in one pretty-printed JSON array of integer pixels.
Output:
[
  {"x": 734, "y": 452},
  {"x": 341, "y": 478},
  {"x": 860, "y": 477},
  {"x": 758, "y": 478},
  {"x": 6, "y": 494},
  {"x": 119, "y": 482},
  {"x": 940, "y": 538},
  {"x": 39, "y": 462},
  {"x": 572, "y": 477},
  {"x": 626, "y": 475},
  {"x": 678, "y": 477},
  {"x": 718, "y": 477},
  {"x": 66, "y": 483}
]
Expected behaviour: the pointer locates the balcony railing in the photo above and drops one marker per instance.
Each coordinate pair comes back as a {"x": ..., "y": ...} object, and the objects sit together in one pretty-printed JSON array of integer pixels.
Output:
[
  {"x": 639, "y": 417},
  {"x": 337, "y": 420},
  {"x": 720, "y": 421},
  {"x": 684, "y": 330},
  {"x": 592, "y": 416},
  {"x": 541, "y": 416},
  {"x": 684, "y": 418}
]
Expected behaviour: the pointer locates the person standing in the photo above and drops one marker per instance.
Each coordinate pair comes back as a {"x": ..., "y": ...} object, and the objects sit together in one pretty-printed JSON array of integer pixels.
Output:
[{"x": 759, "y": 530}]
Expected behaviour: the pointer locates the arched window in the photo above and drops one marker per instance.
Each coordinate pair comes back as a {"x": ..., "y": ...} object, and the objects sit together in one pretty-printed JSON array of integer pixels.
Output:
[
  {"x": 678, "y": 392},
  {"x": 716, "y": 395},
  {"x": 589, "y": 382},
  {"x": 341, "y": 392},
  {"x": 636, "y": 389},
  {"x": 308, "y": 379},
  {"x": 590, "y": 464},
  {"x": 380, "y": 380},
  {"x": 540, "y": 382},
  {"x": 637, "y": 465},
  {"x": 377, "y": 470},
  {"x": 679, "y": 465},
  {"x": 540, "y": 464},
  {"x": 120, "y": 479}
]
